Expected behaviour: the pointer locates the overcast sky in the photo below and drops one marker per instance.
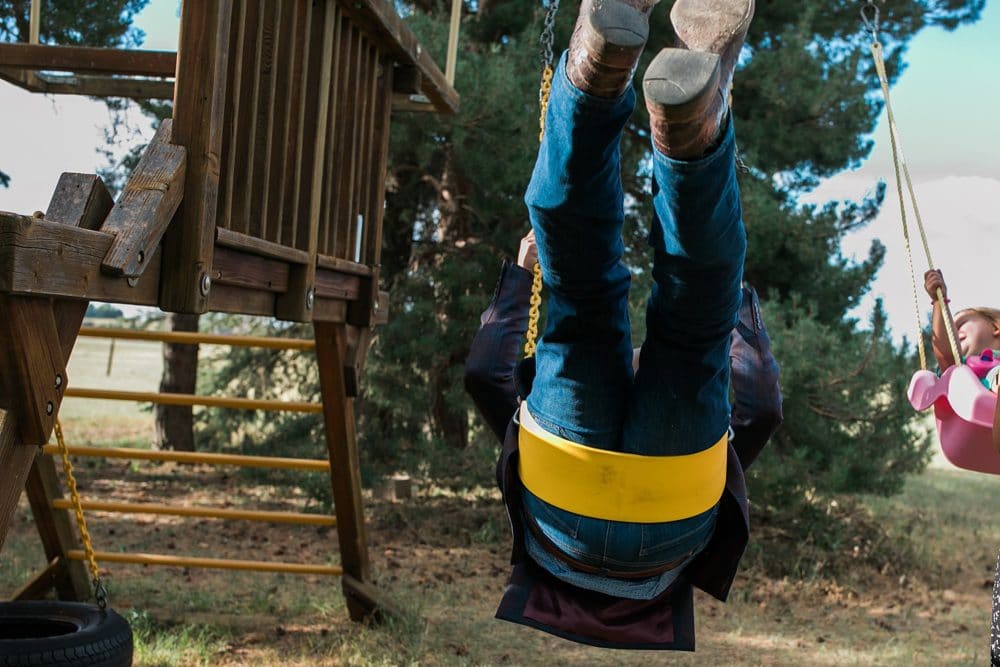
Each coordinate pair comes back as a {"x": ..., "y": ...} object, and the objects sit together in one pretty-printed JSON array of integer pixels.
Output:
[{"x": 945, "y": 104}]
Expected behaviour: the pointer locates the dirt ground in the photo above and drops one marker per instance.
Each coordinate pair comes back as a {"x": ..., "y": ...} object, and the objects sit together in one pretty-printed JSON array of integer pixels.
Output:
[{"x": 441, "y": 557}]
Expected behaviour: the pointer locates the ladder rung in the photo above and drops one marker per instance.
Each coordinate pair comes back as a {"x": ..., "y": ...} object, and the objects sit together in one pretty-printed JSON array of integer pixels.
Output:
[
  {"x": 190, "y": 399},
  {"x": 211, "y": 563},
  {"x": 199, "y": 338},
  {"x": 207, "y": 512},
  {"x": 193, "y": 457}
]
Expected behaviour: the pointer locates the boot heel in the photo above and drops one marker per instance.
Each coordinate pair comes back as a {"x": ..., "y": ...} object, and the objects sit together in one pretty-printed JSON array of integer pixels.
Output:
[
  {"x": 607, "y": 41},
  {"x": 681, "y": 85},
  {"x": 684, "y": 102}
]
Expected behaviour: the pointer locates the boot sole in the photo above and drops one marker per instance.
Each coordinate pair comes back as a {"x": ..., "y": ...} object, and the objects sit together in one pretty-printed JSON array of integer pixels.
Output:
[
  {"x": 617, "y": 34},
  {"x": 682, "y": 84},
  {"x": 715, "y": 26}
]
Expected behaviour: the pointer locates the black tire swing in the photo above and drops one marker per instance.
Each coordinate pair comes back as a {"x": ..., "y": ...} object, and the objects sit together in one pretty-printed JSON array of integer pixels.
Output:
[{"x": 55, "y": 633}]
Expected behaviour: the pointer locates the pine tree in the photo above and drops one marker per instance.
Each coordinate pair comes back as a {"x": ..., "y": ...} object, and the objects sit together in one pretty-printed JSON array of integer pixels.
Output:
[{"x": 805, "y": 102}]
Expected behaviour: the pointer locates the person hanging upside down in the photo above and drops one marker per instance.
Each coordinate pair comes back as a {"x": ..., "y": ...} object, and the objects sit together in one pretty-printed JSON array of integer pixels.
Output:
[{"x": 621, "y": 573}]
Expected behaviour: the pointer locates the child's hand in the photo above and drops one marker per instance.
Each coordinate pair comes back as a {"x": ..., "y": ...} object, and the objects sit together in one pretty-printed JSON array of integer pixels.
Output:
[
  {"x": 933, "y": 281},
  {"x": 527, "y": 254}
]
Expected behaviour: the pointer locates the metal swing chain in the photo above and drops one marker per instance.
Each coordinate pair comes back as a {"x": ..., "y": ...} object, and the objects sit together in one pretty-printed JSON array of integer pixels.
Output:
[
  {"x": 546, "y": 40},
  {"x": 100, "y": 592},
  {"x": 545, "y": 89},
  {"x": 870, "y": 17}
]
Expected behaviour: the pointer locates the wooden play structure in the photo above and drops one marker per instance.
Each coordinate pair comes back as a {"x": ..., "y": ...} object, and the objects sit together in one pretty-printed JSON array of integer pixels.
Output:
[{"x": 263, "y": 195}]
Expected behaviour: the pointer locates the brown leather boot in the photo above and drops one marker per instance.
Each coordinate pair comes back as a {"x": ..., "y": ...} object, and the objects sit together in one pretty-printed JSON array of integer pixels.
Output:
[
  {"x": 715, "y": 26},
  {"x": 608, "y": 38},
  {"x": 687, "y": 89},
  {"x": 685, "y": 104}
]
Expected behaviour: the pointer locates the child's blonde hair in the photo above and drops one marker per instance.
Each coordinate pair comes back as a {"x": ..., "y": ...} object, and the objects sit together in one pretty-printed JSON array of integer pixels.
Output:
[{"x": 991, "y": 314}]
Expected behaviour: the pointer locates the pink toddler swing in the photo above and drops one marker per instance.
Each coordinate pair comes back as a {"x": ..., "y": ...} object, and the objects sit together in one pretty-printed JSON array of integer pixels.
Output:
[{"x": 963, "y": 408}]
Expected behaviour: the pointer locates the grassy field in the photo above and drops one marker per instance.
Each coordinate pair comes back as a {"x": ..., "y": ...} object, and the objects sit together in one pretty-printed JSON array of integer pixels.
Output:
[{"x": 442, "y": 558}]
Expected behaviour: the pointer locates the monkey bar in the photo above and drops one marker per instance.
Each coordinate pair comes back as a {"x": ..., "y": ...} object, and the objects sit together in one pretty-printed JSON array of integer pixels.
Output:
[{"x": 262, "y": 195}]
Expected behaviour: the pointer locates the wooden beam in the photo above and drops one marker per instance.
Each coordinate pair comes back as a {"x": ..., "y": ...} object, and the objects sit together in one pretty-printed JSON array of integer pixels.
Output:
[
  {"x": 146, "y": 206},
  {"x": 79, "y": 200},
  {"x": 380, "y": 18},
  {"x": 239, "y": 269},
  {"x": 35, "y": 21},
  {"x": 199, "y": 102},
  {"x": 15, "y": 461},
  {"x": 58, "y": 532},
  {"x": 27, "y": 249},
  {"x": 363, "y": 596},
  {"x": 33, "y": 367},
  {"x": 255, "y": 246},
  {"x": 42, "y": 582},
  {"x": 101, "y": 86},
  {"x": 345, "y": 475},
  {"x": 88, "y": 59}
]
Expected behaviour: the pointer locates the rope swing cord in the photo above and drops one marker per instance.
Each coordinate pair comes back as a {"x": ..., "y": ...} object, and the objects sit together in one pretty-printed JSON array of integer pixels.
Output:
[{"x": 870, "y": 17}]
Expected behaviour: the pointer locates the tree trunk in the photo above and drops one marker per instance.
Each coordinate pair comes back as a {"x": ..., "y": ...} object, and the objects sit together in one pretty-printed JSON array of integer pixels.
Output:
[
  {"x": 174, "y": 427},
  {"x": 449, "y": 423}
]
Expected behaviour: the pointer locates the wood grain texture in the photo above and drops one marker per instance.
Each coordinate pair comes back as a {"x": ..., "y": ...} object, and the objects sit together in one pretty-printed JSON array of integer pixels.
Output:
[
  {"x": 146, "y": 206},
  {"x": 88, "y": 59},
  {"x": 199, "y": 103},
  {"x": 345, "y": 474}
]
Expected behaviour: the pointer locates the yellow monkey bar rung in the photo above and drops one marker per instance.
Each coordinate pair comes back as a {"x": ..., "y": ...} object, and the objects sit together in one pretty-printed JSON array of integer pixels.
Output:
[
  {"x": 195, "y": 457},
  {"x": 206, "y": 512},
  {"x": 190, "y": 399},
  {"x": 209, "y": 563},
  {"x": 199, "y": 338}
]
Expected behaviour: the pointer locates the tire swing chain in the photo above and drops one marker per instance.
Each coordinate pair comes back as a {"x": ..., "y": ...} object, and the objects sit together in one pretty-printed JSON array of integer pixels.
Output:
[{"x": 100, "y": 592}]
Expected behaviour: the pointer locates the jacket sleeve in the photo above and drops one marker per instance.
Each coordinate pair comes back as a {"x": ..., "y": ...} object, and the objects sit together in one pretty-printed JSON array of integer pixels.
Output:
[
  {"x": 757, "y": 397},
  {"x": 494, "y": 353}
]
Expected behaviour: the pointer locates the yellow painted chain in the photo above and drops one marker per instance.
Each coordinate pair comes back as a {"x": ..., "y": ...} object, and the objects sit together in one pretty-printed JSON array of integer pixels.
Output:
[
  {"x": 543, "y": 97},
  {"x": 100, "y": 593},
  {"x": 531, "y": 335}
]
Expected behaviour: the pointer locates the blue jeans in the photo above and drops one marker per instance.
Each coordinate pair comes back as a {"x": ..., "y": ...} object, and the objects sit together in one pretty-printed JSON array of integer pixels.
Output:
[{"x": 584, "y": 389}]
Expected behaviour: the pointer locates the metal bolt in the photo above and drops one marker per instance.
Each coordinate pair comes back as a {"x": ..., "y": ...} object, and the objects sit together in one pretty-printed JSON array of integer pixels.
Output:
[
  {"x": 49, "y": 408},
  {"x": 206, "y": 284},
  {"x": 58, "y": 381},
  {"x": 310, "y": 298}
]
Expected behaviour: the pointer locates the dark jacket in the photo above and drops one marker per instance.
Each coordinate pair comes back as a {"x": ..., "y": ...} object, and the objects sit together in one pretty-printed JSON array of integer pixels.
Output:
[{"x": 496, "y": 382}]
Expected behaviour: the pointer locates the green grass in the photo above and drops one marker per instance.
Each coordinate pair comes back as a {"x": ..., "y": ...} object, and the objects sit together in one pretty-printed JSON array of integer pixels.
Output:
[
  {"x": 442, "y": 558},
  {"x": 135, "y": 366}
]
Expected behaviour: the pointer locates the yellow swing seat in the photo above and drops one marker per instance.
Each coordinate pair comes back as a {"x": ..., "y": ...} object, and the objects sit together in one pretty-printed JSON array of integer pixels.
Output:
[{"x": 617, "y": 486}]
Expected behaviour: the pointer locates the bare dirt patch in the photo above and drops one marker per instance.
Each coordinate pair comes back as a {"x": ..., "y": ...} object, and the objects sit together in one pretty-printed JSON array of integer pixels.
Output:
[{"x": 442, "y": 557}]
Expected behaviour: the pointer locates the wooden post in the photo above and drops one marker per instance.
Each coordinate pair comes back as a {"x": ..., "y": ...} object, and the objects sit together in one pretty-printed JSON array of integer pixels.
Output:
[
  {"x": 79, "y": 200},
  {"x": 298, "y": 302},
  {"x": 58, "y": 532},
  {"x": 199, "y": 101},
  {"x": 345, "y": 474},
  {"x": 34, "y": 25},
  {"x": 32, "y": 364}
]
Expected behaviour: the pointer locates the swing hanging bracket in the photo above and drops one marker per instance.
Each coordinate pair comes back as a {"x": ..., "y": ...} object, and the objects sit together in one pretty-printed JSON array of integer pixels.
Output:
[{"x": 870, "y": 17}]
